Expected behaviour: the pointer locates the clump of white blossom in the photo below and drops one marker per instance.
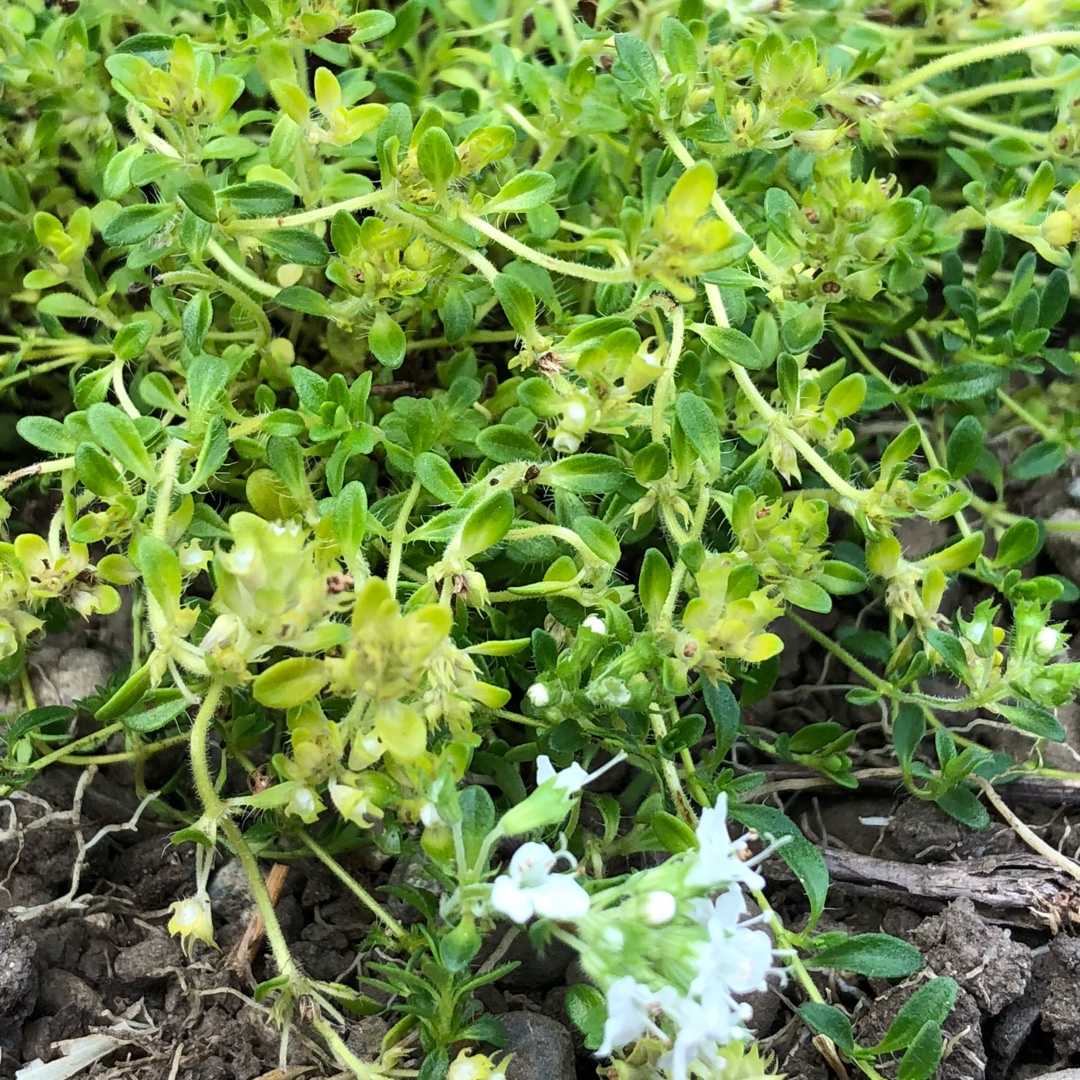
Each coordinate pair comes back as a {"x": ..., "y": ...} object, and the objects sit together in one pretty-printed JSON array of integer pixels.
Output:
[{"x": 672, "y": 947}]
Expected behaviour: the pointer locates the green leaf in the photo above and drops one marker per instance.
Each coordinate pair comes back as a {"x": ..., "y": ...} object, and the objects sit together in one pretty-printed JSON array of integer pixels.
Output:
[
  {"x": 932, "y": 1002},
  {"x": 369, "y": 25},
  {"x": 1034, "y": 721},
  {"x": 439, "y": 479},
  {"x": 841, "y": 578},
  {"x": 386, "y": 340},
  {"x": 486, "y": 524},
  {"x": 673, "y": 833},
  {"x": 599, "y": 539},
  {"x": 923, "y": 1056},
  {"x": 257, "y": 198},
  {"x": 436, "y": 158},
  {"x": 116, "y": 432},
  {"x": 195, "y": 322},
  {"x": 583, "y": 474},
  {"x": 637, "y": 66},
  {"x": 700, "y": 428},
  {"x": 830, "y": 1022},
  {"x": 134, "y": 224},
  {"x": 962, "y": 804},
  {"x": 680, "y": 50},
  {"x": 806, "y": 594},
  {"x": 654, "y": 582},
  {"x": 724, "y": 710},
  {"x": 518, "y": 303},
  {"x": 733, "y": 345},
  {"x": 132, "y": 338},
  {"x": 802, "y": 332},
  {"x": 477, "y": 819},
  {"x": 1018, "y": 543},
  {"x": 46, "y": 434},
  {"x": 1036, "y": 461},
  {"x": 523, "y": 192},
  {"x": 965, "y": 446},
  {"x": 212, "y": 454},
  {"x": 803, "y": 858},
  {"x": 909, "y": 729},
  {"x": 587, "y": 1010},
  {"x": 503, "y": 443},
  {"x": 290, "y": 682},
  {"x": 300, "y": 298},
  {"x": 157, "y": 710},
  {"x": 65, "y": 305},
  {"x": 964, "y": 382},
  {"x": 199, "y": 198},
  {"x": 879, "y": 956},
  {"x": 951, "y": 652},
  {"x": 97, "y": 473},
  {"x": 296, "y": 246}
]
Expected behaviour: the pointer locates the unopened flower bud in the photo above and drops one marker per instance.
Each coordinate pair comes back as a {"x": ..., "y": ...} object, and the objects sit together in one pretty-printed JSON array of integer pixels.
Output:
[
  {"x": 659, "y": 908},
  {"x": 538, "y": 695},
  {"x": 1047, "y": 642}
]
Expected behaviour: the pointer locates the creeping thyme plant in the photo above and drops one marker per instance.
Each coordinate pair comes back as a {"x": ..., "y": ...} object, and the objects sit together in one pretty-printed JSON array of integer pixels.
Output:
[{"x": 474, "y": 393}]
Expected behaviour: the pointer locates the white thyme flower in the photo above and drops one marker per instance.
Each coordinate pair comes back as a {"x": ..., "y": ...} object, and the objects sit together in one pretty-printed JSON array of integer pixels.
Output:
[
  {"x": 631, "y": 1011},
  {"x": 573, "y": 778},
  {"x": 719, "y": 860},
  {"x": 530, "y": 888},
  {"x": 595, "y": 624}
]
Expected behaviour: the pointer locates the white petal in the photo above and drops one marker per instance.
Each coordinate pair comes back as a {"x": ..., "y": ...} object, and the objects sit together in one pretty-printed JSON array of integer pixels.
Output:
[
  {"x": 627, "y": 1019},
  {"x": 560, "y": 897},
  {"x": 544, "y": 769},
  {"x": 531, "y": 864},
  {"x": 513, "y": 902}
]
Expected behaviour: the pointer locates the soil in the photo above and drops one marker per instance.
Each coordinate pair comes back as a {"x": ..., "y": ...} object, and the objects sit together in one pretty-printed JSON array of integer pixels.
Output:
[{"x": 92, "y": 956}]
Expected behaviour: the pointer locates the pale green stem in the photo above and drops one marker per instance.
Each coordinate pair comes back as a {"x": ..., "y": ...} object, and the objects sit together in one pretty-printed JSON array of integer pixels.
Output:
[
  {"x": 310, "y": 217},
  {"x": 666, "y": 381},
  {"x": 1007, "y": 87},
  {"x": 388, "y": 920},
  {"x": 170, "y": 462},
  {"x": 359, "y": 1069},
  {"x": 120, "y": 390},
  {"x": 1032, "y": 422},
  {"x": 87, "y": 740},
  {"x": 51, "y": 365},
  {"x": 757, "y": 256},
  {"x": 548, "y": 262},
  {"x": 213, "y": 807},
  {"x": 397, "y": 538},
  {"x": 670, "y": 774},
  {"x": 1059, "y": 39},
  {"x": 279, "y": 947},
  {"x": 59, "y": 465},
  {"x": 991, "y": 127},
  {"x": 567, "y": 536},
  {"x": 241, "y": 273}
]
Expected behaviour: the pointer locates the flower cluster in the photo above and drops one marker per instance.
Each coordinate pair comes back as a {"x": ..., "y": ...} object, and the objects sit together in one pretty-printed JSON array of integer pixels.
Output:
[
  {"x": 34, "y": 571},
  {"x": 671, "y": 946},
  {"x": 728, "y": 619}
]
